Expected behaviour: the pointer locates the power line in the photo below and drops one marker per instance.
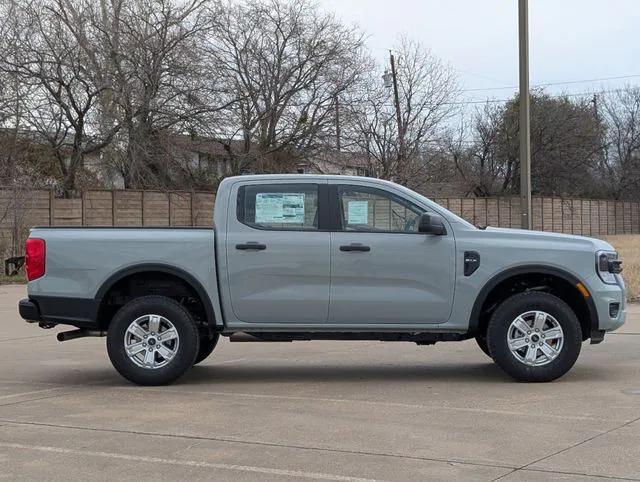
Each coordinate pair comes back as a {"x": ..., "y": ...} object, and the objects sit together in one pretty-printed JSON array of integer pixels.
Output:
[
  {"x": 498, "y": 101},
  {"x": 468, "y": 102},
  {"x": 550, "y": 84},
  {"x": 555, "y": 96},
  {"x": 544, "y": 84}
]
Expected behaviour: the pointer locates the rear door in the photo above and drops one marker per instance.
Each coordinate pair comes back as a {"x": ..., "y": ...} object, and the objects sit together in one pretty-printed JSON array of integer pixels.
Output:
[
  {"x": 277, "y": 252},
  {"x": 383, "y": 270}
]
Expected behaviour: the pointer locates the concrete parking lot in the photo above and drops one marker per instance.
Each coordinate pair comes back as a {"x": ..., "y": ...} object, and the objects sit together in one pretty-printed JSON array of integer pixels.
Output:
[{"x": 314, "y": 410}]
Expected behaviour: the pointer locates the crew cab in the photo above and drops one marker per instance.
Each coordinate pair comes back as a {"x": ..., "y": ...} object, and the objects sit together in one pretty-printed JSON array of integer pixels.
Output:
[{"x": 310, "y": 257}]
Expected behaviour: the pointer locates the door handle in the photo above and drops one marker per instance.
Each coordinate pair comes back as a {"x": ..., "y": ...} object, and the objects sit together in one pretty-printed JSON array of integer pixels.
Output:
[
  {"x": 252, "y": 245},
  {"x": 355, "y": 247}
]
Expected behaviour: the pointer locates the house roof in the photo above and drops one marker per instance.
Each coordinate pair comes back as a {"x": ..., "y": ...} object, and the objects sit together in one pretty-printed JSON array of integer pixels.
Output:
[{"x": 206, "y": 145}]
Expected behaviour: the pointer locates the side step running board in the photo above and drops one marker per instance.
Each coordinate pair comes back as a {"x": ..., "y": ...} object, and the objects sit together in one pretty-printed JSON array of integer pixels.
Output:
[
  {"x": 421, "y": 338},
  {"x": 241, "y": 336}
]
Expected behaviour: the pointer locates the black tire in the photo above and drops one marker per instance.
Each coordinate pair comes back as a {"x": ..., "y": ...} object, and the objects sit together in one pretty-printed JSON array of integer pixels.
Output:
[
  {"x": 207, "y": 344},
  {"x": 482, "y": 343},
  {"x": 187, "y": 350},
  {"x": 519, "y": 304}
]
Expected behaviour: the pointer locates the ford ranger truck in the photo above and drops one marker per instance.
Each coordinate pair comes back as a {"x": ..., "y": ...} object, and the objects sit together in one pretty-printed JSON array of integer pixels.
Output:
[{"x": 306, "y": 257}]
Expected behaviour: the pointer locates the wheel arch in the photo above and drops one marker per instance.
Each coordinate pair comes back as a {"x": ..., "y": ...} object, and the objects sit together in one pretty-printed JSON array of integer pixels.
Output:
[
  {"x": 138, "y": 269},
  {"x": 586, "y": 305}
]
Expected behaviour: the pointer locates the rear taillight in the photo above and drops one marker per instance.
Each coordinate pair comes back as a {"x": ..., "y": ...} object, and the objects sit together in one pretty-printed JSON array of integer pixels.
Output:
[{"x": 34, "y": 262}]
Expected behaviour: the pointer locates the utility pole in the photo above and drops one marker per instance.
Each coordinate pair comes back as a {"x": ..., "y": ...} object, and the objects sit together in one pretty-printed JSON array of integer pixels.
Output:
[
  {"x": 596, "y": 115},
  {"x": 398, "y": 115},
  {"x": 595, "y": 107},
  {"x": 525, "y": 130},
  {"x": 337, "y": 123}
]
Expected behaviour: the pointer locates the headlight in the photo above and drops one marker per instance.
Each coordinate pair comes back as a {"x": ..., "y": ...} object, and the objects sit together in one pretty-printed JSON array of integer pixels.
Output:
[{"x": 608, "y": 266}]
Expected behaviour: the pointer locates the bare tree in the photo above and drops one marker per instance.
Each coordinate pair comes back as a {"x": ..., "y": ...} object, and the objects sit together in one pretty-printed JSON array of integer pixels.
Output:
[
  {"x": 621, "y": 163},
  {"x": 566, "y": 141},
  {"x": 284, "y": 64},
  {"x": 148, "y": 53},
  {"x": 9, "y": 97},
  {"x": 49, "y": 60},
  {"x": 13, "y": 94},
  {"x": 475, "y": 149},
  {"x": 162, "y": 80},
  {"x": 427, "y": 94}
]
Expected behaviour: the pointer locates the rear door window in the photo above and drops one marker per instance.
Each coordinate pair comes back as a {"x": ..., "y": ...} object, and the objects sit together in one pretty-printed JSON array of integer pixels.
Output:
[{"x": 279, "y": 206}]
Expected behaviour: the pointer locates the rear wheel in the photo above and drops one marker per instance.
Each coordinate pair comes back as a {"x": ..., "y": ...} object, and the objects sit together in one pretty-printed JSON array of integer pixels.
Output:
[
  {"x": 534, "y": 337},
  {"x": 207, "y": 345},
  {"x": 152, "y": 340}
]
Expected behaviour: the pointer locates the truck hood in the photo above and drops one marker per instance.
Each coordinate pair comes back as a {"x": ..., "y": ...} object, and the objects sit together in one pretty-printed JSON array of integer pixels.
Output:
[{"x": 541, "y": 236}]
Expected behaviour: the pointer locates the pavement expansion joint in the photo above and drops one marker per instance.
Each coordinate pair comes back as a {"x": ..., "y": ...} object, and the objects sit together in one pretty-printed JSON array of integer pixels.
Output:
[
  {"x": 566, "y": 449},
  {"x": 262, "y": 443}
]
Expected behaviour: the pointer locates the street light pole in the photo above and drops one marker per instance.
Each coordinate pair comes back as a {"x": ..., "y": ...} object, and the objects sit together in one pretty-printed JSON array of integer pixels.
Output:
[{"x": 525, "y": 130}]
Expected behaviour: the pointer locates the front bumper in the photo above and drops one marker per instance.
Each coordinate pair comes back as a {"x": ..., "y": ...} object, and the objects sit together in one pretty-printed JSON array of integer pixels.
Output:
[{"x": 604, "y": 296}]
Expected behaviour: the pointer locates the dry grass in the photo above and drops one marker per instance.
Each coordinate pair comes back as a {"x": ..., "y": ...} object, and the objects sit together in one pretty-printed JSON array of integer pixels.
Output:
[
  {"x": 628, "y": 246},
  {"x": 10, "y": 280}
]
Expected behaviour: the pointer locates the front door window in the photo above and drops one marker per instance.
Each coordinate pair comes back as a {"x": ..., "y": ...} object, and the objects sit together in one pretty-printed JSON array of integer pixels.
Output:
[{"x": 370, "y": 209}]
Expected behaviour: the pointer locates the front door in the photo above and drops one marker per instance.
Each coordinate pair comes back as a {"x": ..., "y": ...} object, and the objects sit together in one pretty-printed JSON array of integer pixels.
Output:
[
  {"x": 383, "y": 271},
  {"x": 277, "y": 255}
]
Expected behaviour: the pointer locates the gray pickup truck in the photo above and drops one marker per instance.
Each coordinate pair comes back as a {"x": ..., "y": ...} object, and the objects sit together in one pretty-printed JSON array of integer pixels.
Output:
[{"x": 302, "y": 257}]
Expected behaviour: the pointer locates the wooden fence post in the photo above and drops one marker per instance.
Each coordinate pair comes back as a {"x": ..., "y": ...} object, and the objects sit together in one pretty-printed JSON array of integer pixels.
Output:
[
  {"x": 113, "y": 207},
  {"x": 191, "y": 206},
  {"x": 52, "y": 216},
  {"x": 82, "y": 219}
]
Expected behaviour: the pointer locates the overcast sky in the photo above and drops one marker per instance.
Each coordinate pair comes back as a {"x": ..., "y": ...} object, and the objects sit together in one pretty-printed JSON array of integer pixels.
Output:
[{"x": 570, "y": 39}]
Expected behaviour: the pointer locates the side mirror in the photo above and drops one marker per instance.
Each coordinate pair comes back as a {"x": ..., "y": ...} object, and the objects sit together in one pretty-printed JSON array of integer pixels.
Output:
[{"x": 431, "y": 224}]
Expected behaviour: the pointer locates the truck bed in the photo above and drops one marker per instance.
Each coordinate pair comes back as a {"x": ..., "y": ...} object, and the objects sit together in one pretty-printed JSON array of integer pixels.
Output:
[{"x": 81, "y": 261}]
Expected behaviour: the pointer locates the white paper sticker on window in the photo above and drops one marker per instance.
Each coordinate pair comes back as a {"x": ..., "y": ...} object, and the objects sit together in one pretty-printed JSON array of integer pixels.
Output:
[
  {"x": 358, "y": 212},
  {"x": 280, "y": 208}
]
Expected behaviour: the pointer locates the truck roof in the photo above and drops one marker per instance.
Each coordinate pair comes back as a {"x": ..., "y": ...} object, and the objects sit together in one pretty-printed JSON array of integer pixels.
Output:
[{"x": 264, "y": 177}]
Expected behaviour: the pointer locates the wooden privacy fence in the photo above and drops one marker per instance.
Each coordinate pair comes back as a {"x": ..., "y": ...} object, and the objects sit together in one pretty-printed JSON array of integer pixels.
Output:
[
  {"x": 588, "y": 217},
  {"x": 21, "y": 209},
  {"x": 116, "y": 208}
]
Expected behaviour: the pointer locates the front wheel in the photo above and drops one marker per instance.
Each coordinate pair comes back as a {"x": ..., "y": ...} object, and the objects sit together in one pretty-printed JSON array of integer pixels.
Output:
[
  {"x": 152, "y": 340},
  {"x": 534, "y": 337}
]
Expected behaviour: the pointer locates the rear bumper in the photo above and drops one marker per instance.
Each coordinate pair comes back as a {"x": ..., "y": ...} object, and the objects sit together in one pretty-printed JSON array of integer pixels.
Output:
[
  {"x": 79, "y": 312},
  {"x": 29, "y": 310}
]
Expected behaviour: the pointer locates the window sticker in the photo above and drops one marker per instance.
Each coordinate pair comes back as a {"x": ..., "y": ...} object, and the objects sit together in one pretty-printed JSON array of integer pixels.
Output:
[
  {"x": 280, "y": 208},
  {"x": 358, "y": 212}
]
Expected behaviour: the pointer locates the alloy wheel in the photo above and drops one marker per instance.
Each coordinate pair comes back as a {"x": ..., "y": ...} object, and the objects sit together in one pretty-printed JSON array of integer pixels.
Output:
[
  {"x": 151, "y": 341},
  {"x": 535, "y": 338}
]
